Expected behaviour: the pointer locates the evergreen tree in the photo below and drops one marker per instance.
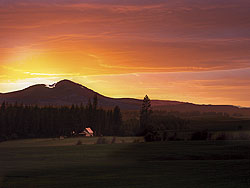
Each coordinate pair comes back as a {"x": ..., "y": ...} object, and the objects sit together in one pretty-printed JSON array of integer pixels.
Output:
[
  {"x": 95, "y": 118},
  {"x": 22, "y": 121},
  {"x": 117, "y": 120},
  {"x": 89, "y": 115},
  {"x": 145, "y": 113},
  {"x": 95, "y": 102},
  {"x": 3, "y": 107}
]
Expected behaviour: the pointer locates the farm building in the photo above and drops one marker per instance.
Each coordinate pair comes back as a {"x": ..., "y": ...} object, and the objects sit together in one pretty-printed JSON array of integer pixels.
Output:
[{"x": 87, "y": 132}]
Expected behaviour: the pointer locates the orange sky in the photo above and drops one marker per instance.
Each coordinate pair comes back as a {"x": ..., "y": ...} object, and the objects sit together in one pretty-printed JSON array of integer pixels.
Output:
[{"x": 187, "y": 50}]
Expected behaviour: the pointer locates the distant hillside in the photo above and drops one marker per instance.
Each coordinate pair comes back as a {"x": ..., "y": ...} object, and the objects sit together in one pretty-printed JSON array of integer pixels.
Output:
[{"x": 66, "y": 92}]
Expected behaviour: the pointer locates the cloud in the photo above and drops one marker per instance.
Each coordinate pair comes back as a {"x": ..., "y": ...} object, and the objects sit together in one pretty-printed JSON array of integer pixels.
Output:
[
  {"x": 151, "y": 68},
  {"x": 186, "y": 18},
  {"x": 207, "y": 34},
  {"x": 197, "y": 46},
  {"x": 47, "y": 74},
  {"x": 209, "y": 87}
]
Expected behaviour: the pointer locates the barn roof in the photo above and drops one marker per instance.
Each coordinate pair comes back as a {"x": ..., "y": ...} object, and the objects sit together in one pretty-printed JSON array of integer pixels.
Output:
[{"x": 89, "y": 130}]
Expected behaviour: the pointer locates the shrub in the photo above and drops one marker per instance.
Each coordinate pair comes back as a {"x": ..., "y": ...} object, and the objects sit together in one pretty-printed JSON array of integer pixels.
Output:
[
  {"x": 149, "y": 137},
  {"x": 136, "y": 141},
  {"x": 152, "y": 136},
  {"x": 201, "y": 135},
  {"x": 101, "y": 140},
  {"x": 222, "y": 136},
  {"x": 165, "y": 136},
  {"x": 79, "y": 142},
  {"x": 173, "y": 137},
  {"x": 244, "y": 136},
  {"x": 113, "y": 140}
]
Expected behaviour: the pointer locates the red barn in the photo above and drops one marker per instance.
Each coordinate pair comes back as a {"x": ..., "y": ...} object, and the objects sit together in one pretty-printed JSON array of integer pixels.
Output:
[{"x": 87, "y": 132}]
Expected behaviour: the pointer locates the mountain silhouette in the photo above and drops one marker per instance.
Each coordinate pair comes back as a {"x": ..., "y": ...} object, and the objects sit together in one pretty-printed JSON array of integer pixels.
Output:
[{"x": 66, "y": 92}]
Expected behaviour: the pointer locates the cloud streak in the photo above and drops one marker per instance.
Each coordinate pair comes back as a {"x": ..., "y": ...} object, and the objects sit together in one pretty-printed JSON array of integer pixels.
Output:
[{"x": 59, "y": 38}]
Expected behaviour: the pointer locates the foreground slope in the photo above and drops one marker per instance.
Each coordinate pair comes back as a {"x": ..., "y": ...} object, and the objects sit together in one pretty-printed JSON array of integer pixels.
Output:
[{"x": 177, "y": 164}]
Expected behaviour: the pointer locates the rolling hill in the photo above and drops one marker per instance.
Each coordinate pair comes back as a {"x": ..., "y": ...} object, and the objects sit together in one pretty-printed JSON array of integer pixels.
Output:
[{"x": 66, "y": 92}]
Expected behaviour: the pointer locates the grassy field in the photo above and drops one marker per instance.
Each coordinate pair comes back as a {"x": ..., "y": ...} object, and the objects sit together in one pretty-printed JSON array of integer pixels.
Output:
[
  {"x": 43, "y": 142},
  {"x": 62, "y": 163}
]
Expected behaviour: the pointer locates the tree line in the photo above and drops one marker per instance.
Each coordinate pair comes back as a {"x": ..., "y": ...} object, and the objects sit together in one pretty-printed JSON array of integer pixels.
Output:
[
  {"x": 23, "y": 121},
  {"x": 156, "y": 127},
  {"x": 26, "y": 121}
]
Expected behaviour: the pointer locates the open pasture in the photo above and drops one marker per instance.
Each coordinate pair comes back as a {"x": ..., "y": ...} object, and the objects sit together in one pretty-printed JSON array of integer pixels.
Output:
[{"x": 43, "y": 163}]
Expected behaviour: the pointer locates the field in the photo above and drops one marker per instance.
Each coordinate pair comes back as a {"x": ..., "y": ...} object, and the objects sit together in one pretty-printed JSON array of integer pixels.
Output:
[{"x": 62, "y": 163}]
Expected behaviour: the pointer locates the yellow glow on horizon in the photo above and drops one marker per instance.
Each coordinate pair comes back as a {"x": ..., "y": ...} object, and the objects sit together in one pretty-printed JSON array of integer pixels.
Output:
[{"x": 125, "y": 49}]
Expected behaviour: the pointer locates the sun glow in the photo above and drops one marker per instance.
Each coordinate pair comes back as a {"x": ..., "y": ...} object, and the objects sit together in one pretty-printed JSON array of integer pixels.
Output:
[{"x": 129, "y": 49}]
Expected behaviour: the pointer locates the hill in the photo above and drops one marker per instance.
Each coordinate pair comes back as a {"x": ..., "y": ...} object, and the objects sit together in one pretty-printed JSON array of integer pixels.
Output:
[{"x": 66, "y": 92}]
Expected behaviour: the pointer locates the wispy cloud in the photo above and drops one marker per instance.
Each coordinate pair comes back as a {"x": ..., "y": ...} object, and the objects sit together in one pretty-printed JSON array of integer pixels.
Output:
[
  {"x": 47, "y": 74},
  {"x": 195, "y": 46}
]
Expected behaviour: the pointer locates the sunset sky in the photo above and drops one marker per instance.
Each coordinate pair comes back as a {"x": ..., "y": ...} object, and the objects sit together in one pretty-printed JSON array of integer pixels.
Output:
[{"x": 187, "y": 50}]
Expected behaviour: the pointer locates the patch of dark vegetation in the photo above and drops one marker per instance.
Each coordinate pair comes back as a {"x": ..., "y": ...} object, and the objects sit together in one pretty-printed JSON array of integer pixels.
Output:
[
  {"x": 113, "y": 140},
  {"x": 54, "y": 122},
  {"x": 136, "y": 141},
  {"x": 10, "y": 176},
  {"x": 79, "y": 142},
  {"x": 201, "y": 135},
  {"x": 207, "y": 157},
  {"x": 25, "y": 121},
  {"x": 221, "y": 136},
  {"x": 152, "y": 135},
  {"x": 244, "y": 136},
  {"x": 101, "y": 140}
]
